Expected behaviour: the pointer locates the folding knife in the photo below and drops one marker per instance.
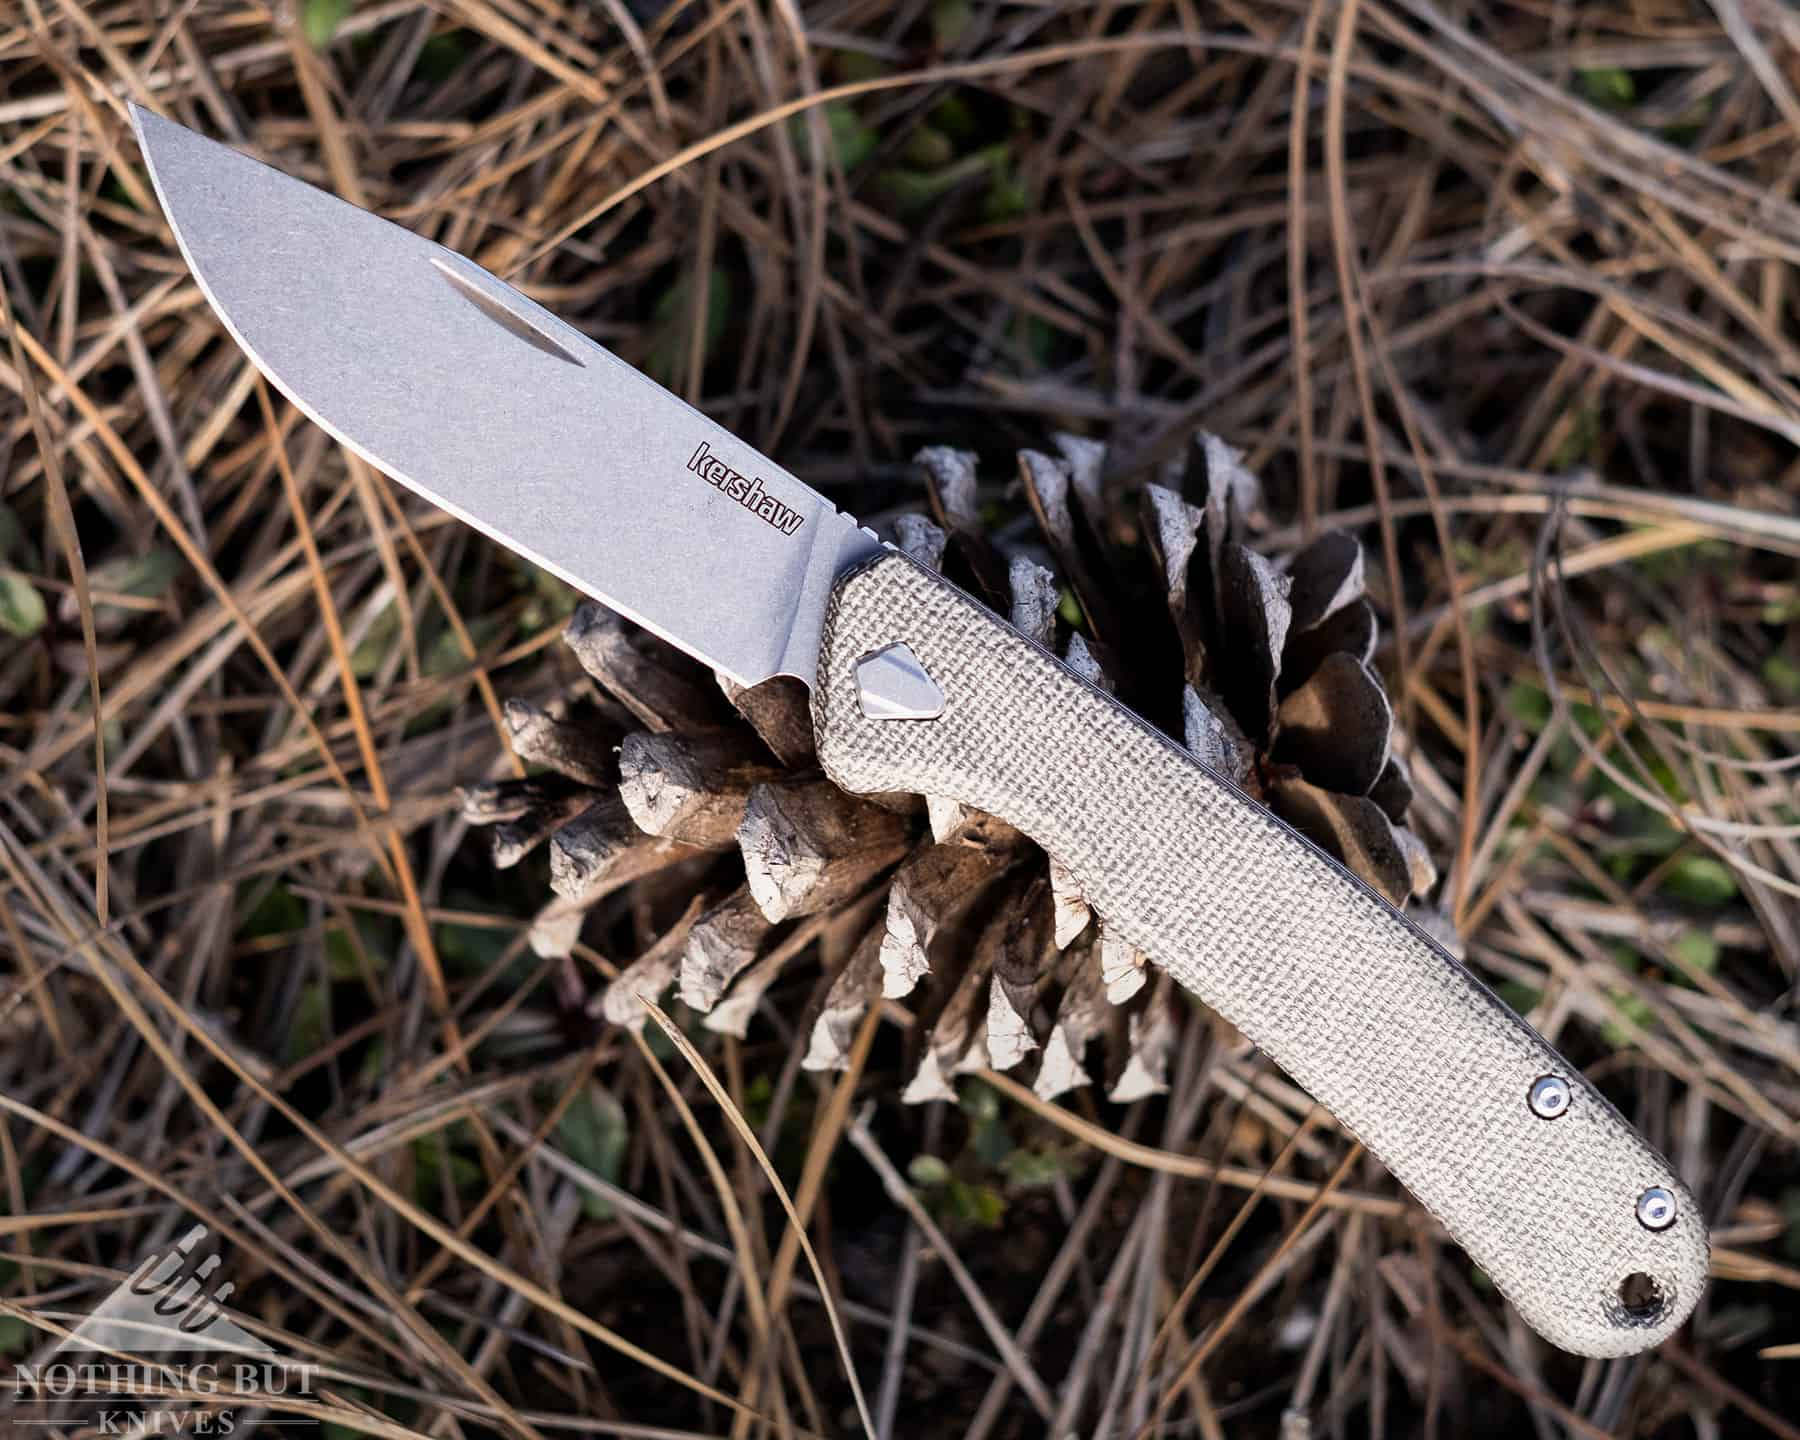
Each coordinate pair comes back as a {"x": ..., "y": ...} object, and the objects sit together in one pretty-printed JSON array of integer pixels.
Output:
[{"x": 459, "y": 387}]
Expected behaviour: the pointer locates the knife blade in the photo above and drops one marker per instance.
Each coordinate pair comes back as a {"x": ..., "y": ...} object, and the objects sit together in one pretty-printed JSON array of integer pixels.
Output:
[
  {"x": 463, "y": 389},
  {"x": 369, "y": 328}
]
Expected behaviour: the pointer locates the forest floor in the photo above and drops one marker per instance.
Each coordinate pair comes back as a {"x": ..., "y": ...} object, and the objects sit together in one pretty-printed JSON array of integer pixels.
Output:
[{"x": 1506, "y": 291}]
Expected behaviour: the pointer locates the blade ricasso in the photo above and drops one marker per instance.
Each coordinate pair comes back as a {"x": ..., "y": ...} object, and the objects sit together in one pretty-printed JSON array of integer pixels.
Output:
[{"x": 839, "y": 544}]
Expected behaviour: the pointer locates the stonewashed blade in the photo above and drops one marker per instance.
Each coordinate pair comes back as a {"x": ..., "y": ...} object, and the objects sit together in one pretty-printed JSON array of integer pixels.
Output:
[{"x": 455, "y": 384}]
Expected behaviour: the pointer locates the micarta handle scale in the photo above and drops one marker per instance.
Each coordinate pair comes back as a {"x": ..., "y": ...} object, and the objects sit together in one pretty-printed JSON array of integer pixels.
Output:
[{"x": 1411, "y": 1053}]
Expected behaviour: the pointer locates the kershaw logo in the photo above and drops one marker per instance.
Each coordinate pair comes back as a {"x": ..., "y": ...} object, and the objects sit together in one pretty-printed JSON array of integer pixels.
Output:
[{"x": 746, "y": 491}]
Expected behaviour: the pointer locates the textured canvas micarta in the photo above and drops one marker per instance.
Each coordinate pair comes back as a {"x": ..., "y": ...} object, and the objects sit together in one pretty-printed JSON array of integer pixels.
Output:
[{"x": 1411, "y": 1053}]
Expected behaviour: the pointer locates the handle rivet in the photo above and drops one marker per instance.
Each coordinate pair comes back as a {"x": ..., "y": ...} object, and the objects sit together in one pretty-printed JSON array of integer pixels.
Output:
[
  {"x": 1550, "y": 1096},
  {"x": 1656, "y": 1208}
]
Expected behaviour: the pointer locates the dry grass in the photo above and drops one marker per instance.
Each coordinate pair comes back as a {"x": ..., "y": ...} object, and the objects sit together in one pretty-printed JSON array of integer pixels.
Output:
[{"x": 1511, "y": 289}]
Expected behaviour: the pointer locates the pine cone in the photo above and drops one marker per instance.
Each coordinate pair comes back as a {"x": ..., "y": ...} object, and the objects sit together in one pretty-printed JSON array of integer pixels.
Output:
[{"x": 707, "y": 798}]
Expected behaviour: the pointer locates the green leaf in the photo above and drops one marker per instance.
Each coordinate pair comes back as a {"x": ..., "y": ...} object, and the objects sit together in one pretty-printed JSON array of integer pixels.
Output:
[
  {"x": 855, "y": 65},
  {"x": 380, "y": 638},
  {"x": 661, "y": 1046},
  {"x": 278, "y": 911},
  {"x": 1069, "y": 607},
  {"x": 669, "y": 322},
  {"x": 306, "y": 1025},
  {"x": 444, "y": 655},
  {"x": 16, "y": 1336},
  {"x": 926, "y": 1171},
  {"x": 12, "y": 535},
  {"x": 1697, "y": 949},
  {"x": 1664, "y": 775},
  {"x": 1009, "y": 196},
  {"x": 440, "y": 55},
  {"x": 1528, "y": 704},
  {"x": 593, "y": 1133},
  {"x": 1581, "y": 441},
  {"x": 1589, "y": 718},
  {"x": 914, "y": 191},
  {"x": 551, "y": 603},
  {"x": 927, "y": 148},
  {"x": 1037, "y": 337},
  {"x": 1782, "y": 675},
  {"x": 1632, "y": 1008},
  {"x": 374, "y": 1061},
  {"x": 988, "y": 1140},
  {"x": 21, "y": 607},
  {"x": 342, "y": 960},
  {"x": 1033, "y": 1169},
  {"x": 981, "y": 1205},
  {"x": 319, "y": 20},
  {"x": 980, "y": 1102},
  {"x": 949, "y": 19},
  {"x": 1784, "y": 611},
  {"x": 440, "y": 1155},
  {"x": 759, "y": 1096},
  {"x": 470, "y": 949},
  {"x": 1790, "y": 1212},
  {"x": 1608, "y": 85},
  {"x": 1520, "y": 996},
  {"x": 1701, "y": 880},
  {"x": 955, "y": 117},
  {"x": 991, "y": 1143},
  {"x": 853, "y": 141},
  {"x": 147, "y": 576}
]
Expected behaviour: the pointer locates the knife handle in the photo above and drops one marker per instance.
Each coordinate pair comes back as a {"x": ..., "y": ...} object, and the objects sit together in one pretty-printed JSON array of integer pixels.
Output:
[{"x": 1412, "y": 1054}]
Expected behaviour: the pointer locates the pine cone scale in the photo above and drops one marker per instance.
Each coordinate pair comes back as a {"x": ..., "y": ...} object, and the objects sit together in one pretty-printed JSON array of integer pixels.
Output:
[{"x": 991, "y": 943}]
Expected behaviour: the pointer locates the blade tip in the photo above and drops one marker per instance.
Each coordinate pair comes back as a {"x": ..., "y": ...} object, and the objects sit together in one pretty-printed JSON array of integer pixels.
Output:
[{"x": 145, "y": 124}]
